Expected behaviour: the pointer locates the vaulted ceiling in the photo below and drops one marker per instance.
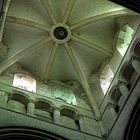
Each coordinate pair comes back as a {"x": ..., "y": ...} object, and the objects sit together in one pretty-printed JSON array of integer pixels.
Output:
[{"x": 60, "y": 39}]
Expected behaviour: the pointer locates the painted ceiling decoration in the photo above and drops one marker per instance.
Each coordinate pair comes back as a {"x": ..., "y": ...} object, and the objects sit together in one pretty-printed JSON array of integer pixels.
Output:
[
  {"x": 65, "y": 95},
  {"x": 63, "y": 40}
]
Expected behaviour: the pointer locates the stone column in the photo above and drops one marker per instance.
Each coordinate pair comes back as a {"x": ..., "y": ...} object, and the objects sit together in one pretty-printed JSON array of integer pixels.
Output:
[
  {"x": 4, "y": 99},
  {"x": 56, "y": 116},
  {"x": 30, "y": 108},
  {"x": 103, "y": 133},
  {"x": 123, "y": 89},
  {"x": 111, "y": 107},
  {"x": 113, "y": 113},
  {"x": 124, "y": 94},
  {"x": 82, "y": 124},
  {"x": 136, "y": 65}
]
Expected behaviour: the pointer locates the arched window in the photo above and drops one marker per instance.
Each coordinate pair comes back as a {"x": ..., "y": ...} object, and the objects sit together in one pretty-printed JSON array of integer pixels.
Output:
[
  {"x": 106, "y": 78},
  {"x": 115, "y": 98},
  {"x": 124, "y": 39},
  {"x": 43, "y": 110},
  {"x": 18, "y": 102},
  {"x": 24, "y": 82},
  {"x": 69, "y": 118},
  {"x": 65, "y": 95},
  {"x": 129, "y": 75}
]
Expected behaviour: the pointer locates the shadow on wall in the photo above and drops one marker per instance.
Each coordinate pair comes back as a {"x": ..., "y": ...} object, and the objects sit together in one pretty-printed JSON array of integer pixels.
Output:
[
  {"x": 133, "y": 127},
  {"x": 131, "y": 4},
  {"x": 24, "y": 133}
]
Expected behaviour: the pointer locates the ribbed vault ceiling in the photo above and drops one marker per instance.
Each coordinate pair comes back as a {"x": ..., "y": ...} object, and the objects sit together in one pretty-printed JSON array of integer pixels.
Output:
[{"x": 87, "y": 28}]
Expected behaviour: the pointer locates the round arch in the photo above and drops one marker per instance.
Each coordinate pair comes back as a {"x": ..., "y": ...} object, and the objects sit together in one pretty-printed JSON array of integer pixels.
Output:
[
  {"x": 69, "y": 112},
  {"x": 27, "y": 133},
  {"x": 135, "y": 49},
  {"x": 43, "y": 104},
  {"x": 18, "y": 102}
]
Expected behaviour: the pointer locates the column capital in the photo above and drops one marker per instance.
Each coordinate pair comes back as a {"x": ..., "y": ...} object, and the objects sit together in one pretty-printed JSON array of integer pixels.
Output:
[
  {"x": 98, "y": 119},
  {"x": 7, "y": 94},
  {"x": 56, "y": 108},
  {"x": 133, "y": 58},
  {"x": 111, "y": 105},
  {"x": 80, "y": 116},
  {"x": 120, "y": 82},
  {"x": 31, "y": 101}
]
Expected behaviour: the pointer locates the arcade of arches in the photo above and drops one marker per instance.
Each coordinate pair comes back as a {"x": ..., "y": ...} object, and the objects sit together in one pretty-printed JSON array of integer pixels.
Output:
[{"x": 69, "y": 69}]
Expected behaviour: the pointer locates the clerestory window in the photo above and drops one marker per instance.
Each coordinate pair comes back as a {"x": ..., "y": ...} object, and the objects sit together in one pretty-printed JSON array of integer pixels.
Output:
[
  {"x": 124, "y": 39},
  {"x": 25, "y": 82},
  {"x": 106, "y": 78}
]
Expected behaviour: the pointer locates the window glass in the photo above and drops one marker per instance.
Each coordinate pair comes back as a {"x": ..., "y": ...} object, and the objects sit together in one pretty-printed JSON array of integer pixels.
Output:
[
  {"x": 106, "y": 78},
  {"x": 24, "y": 82},
  {"x": 124, "y": 39}
]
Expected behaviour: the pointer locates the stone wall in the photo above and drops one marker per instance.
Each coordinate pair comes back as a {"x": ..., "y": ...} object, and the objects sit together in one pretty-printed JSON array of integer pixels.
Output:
[
  {"x": 8, "y": 118},
  {"x": 41, "y": 88},
  {"x": 48, "y": 109}
]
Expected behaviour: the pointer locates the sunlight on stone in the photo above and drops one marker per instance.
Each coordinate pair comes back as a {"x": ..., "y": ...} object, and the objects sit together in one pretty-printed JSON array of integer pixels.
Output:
[
  {"x": 24, "y": 82},
  {"x": 106, "y": 78}
]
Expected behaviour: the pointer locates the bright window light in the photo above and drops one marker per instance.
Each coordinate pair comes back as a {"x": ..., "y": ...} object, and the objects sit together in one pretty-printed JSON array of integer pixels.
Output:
[
  {"x": 124, "y": 39},
  {"x": 106, "y": 78},
  {"x": 24, "y": 82}
]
